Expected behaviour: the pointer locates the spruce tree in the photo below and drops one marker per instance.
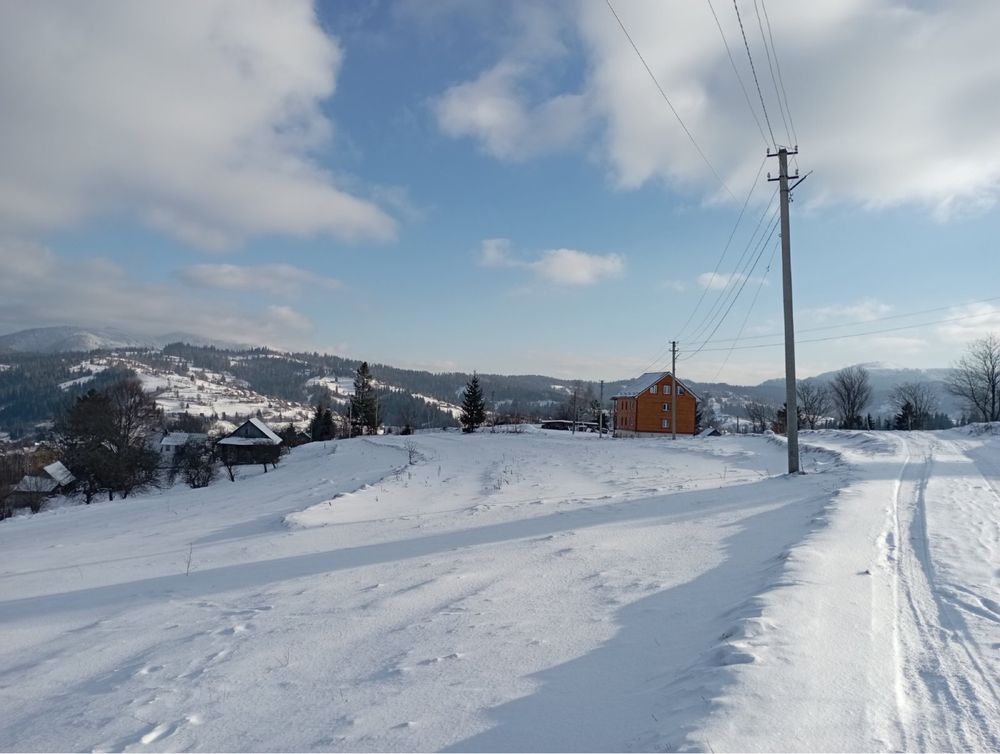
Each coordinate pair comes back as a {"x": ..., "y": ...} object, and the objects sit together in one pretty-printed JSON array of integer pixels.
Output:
[
  {"x": 473, "y": 405},
  {"x": 364, "y": 402}
]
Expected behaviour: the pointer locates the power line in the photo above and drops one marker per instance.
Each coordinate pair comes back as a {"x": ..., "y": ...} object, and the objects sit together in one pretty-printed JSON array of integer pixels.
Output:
[
  {"x": 753, "y": 70},
  {"x": 725, "y": 249},
  {"x": 855, "y": 335},
  {"x": 868, "y": 321},
  {"x": 732, "y": 62},
  {"x": 770, "y": 66},
  {"x": 746, "y": 277},
  {"x": 669, "y": 103},
  {"x": 746, "y": 255},
  {"x": 777, "y": 65},
  {"x": 753, "y": 303}
]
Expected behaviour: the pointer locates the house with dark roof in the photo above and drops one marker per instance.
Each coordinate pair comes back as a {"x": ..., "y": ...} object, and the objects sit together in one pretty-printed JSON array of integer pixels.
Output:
[
  {"x": 251, "y": 442},
  {"x": 649, "y": 404}
]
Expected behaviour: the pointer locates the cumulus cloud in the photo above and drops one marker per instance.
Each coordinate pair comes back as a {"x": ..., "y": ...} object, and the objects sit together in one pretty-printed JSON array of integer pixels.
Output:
[
  {"x": 564, "y": 267},
  {"x": 278, "y": 279},
  {"x": 911, "y": 93},
  {"x": 199, "y": 118},
  {"x": 970, "y": 322},
  {"x": 55, "y": 290}
]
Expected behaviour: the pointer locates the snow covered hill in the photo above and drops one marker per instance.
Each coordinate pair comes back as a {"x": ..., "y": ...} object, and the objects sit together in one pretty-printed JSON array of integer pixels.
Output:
[{"x": 521, "y": 592}]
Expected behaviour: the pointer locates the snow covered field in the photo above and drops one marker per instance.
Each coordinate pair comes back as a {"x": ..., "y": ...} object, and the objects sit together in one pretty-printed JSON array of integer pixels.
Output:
[{"x": 531, "y": 591}]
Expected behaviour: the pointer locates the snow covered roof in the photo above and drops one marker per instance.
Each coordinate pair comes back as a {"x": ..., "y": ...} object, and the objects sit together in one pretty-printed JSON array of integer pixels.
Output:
[
  {"x": 268, "y": 432},
  {"x": 36, "y": 484},
  {"x": 60, "y": 473},
  {"x": 182, "y": 438},
  {"x": 241, "y": 436},
  {"x": 636, "y": 386}
]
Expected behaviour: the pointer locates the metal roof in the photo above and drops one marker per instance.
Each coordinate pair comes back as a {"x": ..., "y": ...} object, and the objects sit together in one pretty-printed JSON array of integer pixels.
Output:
[{"x": 632, "y": 388}]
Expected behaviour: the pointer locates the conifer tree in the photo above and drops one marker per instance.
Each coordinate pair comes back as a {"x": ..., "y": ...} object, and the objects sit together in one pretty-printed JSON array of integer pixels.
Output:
[
  {"x": 364, "y": 402},
  {"x": 473, "y": 405}
]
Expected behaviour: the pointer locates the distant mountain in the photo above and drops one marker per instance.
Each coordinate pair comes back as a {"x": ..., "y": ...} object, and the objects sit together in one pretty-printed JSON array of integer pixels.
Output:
[{"x": 65, "y": 339}]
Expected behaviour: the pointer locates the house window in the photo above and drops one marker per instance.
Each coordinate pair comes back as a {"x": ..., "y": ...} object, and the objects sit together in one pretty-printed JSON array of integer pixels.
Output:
[
  {"x": 666, "y": 406},
  {"x": 666, "y": 389},
  {"x": 665, "y": 424},
  {"x": 653, "y": 389},
  {"x": 680, "y": 390}
]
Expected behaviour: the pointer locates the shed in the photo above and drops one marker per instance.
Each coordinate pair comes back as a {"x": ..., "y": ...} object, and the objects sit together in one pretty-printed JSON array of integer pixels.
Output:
[{"x": 251, "y": 442}]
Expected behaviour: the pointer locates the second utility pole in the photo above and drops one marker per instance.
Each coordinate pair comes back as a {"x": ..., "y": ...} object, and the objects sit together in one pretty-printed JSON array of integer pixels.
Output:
[
  {"x": 791, "y": 407},
  {"x": 673, "y": 390}
]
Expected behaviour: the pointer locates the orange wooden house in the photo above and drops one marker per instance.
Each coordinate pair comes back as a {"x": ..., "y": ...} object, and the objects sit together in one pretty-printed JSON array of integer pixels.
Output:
[{"x": 648, "y": 404}]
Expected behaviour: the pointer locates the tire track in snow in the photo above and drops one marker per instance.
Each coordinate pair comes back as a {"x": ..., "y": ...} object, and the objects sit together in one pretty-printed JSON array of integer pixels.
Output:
[{"x": 948, "y": 701}]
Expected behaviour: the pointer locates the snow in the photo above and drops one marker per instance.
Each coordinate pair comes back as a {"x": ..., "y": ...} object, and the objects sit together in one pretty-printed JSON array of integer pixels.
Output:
[{"x": 520, "y": 592}]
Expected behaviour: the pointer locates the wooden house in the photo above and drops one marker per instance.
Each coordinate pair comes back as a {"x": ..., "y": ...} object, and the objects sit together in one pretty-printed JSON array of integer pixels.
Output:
[
  {"x": 649, "y": 404},
  {"x": 251, "y": 442},
  {"x": 54, "y": 479}
]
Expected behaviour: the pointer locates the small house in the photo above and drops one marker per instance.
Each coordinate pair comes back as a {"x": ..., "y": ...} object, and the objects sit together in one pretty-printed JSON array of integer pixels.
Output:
[
  {"x": 54, "y": 479},
  {"x": 251, "y": 442},
  {"x": 650, "y": 404},
  {"x": 172, "y": 443}
]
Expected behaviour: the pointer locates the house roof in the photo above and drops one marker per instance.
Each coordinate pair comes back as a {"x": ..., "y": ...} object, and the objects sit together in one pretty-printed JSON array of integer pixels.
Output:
[
  {"x": 268, "y": 436},
  {"x": 36, "y": 484},
  {"x": 181, "y": 438},
  {"x": 60, "y": 473},
  {"x": 632, "y": 388},
  {"x": 268, "y": 432}
]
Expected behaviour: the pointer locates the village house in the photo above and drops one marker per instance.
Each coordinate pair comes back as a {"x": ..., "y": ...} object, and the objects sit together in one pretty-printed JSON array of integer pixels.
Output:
[
  {"x": 251, "y": 442},
  {"x": 54, "y": 479},
  {"x": 172, "y": 443},
  {"x": 649, "y": 404}
]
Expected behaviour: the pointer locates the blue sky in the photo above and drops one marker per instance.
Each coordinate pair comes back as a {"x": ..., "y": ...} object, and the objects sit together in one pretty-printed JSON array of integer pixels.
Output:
[{"x": 499, "y": 186}]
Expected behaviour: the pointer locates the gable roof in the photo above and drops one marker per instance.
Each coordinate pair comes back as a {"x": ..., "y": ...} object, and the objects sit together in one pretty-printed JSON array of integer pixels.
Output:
[
  {"x": 632, "y": 388},
  {"x": 266, "y": 437},
  {"x": 268, "y": 432}
]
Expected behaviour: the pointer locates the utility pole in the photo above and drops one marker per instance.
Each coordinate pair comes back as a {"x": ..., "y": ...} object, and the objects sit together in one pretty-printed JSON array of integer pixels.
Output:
[
  {"x": 791, "y": 407},
  {"x": 673, "y": 390},
  {"x": 600, "y": 414}
]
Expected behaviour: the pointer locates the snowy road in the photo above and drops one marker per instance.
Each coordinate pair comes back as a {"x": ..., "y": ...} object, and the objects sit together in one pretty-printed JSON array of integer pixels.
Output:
[
  {"x": 891, "y": 625},
  {"x": 521, "y": 592}
]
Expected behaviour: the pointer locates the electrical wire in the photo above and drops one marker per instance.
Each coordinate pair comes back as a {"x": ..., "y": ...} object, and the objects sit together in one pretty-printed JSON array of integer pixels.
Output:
[
  {"x": 746, "y": 255},
  {"x": 732, "y": 62},
  {"x": 725, "y": 249},
  {"x": 866, "y": 321},
  {"x": 770, "y": 66},
  {"x": 670, "y": 104},
  {"x": 753, "y": 303},
  {"x": 854, "y": 335},
  {"x": 743, "y": 283},
  {"x": 777, "y": 65},
  {"x": 753, "y": 70}
]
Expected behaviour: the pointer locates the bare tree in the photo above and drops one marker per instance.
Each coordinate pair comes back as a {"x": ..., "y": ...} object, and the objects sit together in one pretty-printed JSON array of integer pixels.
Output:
[
  {"x": 976, "y": 378},
  {"x": 815, "y": 402},
  {"x": 852, "y": 391},
  {"x": 922, "y": 401},
  {"x": 761, "y": 415}
]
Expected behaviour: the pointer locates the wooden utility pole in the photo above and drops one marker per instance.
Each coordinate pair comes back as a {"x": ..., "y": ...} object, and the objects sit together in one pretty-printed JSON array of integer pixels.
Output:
[
  {"x": 673, "y": 390},
  {"x": 791, "y": 407}
]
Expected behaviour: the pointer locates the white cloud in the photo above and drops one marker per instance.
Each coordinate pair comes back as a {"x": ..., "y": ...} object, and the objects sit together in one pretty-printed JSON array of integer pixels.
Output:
[
  {"x": 199, "y": 118},
  {"x": 974, "y": 321},
  {"x": 278, "y": 279},
  {"x": 572, "y": 267},
  {"x": 717, "y": 281},
  {"x": 495, "y": 252},
  {"x": 97, "y": 292},
  {"x": 911, "y": 93},
  {"x": 566, "y": 267},
  {"x": 864, "y": 310},
  {"x": 677, "y": 286}
]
